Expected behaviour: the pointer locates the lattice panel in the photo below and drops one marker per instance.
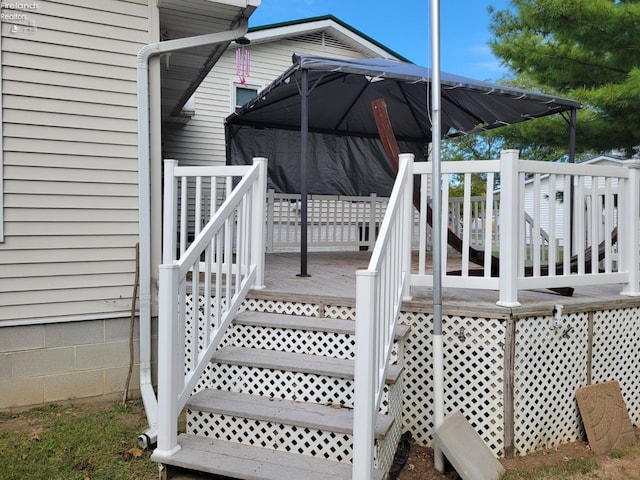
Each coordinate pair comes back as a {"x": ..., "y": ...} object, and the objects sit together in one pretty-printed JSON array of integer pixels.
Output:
[
  {"x": 616, "y": 343},
  {"x": 301, "y": 387},
  {"x": 274, "y": 306},
  {"x": 288, "y": 438},
  {"x": 341, "y": 312},
  {"x": 550, "y": 364},
  {"x": 330, "y": 344},
  {"x": 473, "y": 359},
  {"x": 385, "y": 449},
  {"x": 281, "y": 384}
]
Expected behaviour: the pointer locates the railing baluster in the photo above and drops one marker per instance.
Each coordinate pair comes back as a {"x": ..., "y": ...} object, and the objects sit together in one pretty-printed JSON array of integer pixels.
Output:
[
  {"x": 444, "y": 221},
  {"x": 535, "y": 240},
  {"x": 183, "y": 214},
  {"x": 596, "y": 215},
  {"x": 580, "y": 226},
  {"x": 569, "y": 234},
  {"x": 466, "y": 224},
  {"x": 552, "y": 257},
  {"x": 608, "y": 225},
  {"x": 488, "y": 225}
]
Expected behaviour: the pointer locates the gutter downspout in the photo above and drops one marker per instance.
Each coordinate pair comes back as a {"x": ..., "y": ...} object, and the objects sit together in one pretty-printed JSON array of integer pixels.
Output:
[{"x": 144, "y": 204}]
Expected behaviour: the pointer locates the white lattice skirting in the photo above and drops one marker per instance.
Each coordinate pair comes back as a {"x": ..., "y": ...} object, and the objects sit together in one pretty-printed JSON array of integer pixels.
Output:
[{"x": 549, "y": 363}]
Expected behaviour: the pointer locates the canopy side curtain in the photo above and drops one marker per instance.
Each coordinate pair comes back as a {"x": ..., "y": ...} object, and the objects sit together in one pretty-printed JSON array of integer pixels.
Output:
[{"x": 338, "y": 165}]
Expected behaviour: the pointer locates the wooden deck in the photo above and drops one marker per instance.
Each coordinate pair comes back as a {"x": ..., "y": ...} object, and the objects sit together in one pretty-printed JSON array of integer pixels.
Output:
[{"x": 332, "y": 278}]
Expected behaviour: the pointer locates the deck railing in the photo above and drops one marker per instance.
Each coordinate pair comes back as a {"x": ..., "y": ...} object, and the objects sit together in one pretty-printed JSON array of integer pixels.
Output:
[
  {"x": 332, "y": 221},
  {"x": 380, "y": 290},
  {"x": 599, "y": 206},
  {"x": 352, "y": 222},
  {"x": 224, "y": 260}
]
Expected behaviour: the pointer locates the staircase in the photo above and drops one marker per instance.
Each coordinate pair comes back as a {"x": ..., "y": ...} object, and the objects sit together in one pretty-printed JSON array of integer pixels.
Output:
[{"x": 276, "y": 402}]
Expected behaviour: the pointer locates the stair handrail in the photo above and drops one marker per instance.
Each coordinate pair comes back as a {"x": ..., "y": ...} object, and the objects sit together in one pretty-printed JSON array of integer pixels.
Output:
[
  {"x": 232, "y": 244},
  {"x": 380, "y": 290}
]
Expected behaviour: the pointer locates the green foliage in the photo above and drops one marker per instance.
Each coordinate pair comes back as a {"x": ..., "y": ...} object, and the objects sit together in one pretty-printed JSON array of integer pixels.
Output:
[
  {"x": 488, "y": 145},
  {"x": 577, "y": 466},
  {"x": 626, "y": 452},
  {"x": 587, "y": 50}
]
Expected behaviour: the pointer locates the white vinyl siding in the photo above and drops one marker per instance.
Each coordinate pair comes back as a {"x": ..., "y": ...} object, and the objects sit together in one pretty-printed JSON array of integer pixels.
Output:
[
  {"x": 201, "y": 141},
  {"x": 70, "y": 160},
  {"x": 559, "y": 199},
  {"x": 1, "y": 148}
]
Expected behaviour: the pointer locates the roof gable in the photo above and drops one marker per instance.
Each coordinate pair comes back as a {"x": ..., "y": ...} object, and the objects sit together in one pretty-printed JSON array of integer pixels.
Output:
[{"x": 326, "y": 29}]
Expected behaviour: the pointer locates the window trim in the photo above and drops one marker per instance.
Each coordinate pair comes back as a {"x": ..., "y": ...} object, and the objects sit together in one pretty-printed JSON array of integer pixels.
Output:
[{"x": 233, "y": 106}]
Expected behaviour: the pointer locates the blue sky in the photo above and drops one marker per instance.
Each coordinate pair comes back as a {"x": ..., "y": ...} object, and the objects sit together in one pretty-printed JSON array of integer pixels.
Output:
[{"x": 404, "y": 27}]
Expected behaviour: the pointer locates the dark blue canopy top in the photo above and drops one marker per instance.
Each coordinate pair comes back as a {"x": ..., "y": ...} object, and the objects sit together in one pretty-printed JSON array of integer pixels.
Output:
[{"x": 341, "y": 117}]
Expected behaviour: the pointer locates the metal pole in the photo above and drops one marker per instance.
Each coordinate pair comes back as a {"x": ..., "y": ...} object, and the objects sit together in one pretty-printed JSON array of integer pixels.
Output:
[
  {"x": 436, "y": 228},
  {"x": 304, "y": 136}
]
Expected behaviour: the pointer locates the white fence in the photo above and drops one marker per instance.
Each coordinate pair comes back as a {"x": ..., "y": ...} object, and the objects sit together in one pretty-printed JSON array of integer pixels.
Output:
[
  {"x": 335, "y": 222},
  {"x": 603, "y": 248},
  {"x": 353, "y": 222},
  {"x": 224, "y": 260}
]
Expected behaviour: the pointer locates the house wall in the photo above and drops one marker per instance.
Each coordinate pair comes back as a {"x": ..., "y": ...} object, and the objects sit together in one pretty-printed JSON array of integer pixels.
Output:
[
  {"x": 529, "y": 198},
  {"x": 63, "y": 361},
  {"x": 201, "y": 141},
  {"x": 70, "y": 196}
]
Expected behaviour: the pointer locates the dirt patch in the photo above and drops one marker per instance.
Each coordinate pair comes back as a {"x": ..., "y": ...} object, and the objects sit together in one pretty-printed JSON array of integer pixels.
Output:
[{"x": 419, "y": 465}]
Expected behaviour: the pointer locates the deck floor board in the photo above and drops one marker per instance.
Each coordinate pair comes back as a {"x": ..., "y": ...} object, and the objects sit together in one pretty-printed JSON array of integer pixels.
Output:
[{"x": 332, "y": 277}]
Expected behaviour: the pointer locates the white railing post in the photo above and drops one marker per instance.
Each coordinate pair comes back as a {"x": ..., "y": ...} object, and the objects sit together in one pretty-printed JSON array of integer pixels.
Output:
[
  {"x": 509, "y": 235},
  {"x": 258, "y": 227},
  {"x": 170, "y": 364},
  {"x": 630, "y": 226},
  {"x": 270, "y": 219},
  {"x": 372, "y": 221},
  {"x": 170, "y": 207},
  {"x": 408, "y": 223},
  {"x": 364, "y": 380}
]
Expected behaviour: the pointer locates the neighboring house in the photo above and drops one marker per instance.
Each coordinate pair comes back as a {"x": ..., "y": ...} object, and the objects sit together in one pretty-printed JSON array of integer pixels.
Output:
[
  {"x": 70, "y": 206},
  {"x": 544, "y": 198},
  {"x": 201, "y": 140}
]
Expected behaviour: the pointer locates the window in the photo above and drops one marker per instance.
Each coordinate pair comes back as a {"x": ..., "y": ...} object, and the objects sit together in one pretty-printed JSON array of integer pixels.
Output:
[{"x": 242, "y": 94}]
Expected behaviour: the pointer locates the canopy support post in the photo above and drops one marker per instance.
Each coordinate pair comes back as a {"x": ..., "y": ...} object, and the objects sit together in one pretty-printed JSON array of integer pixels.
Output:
[{"x": 304, "y": 149}]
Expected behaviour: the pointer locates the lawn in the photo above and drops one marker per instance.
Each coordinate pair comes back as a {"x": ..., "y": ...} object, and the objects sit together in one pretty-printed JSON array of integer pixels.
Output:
[
  {"x": 83, "y": 442},
  {"x": 98, "y": 441}
]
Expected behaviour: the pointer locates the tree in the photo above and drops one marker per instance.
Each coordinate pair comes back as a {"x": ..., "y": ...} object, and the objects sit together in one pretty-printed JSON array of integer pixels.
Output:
[
  {"x": 588, "y": 50},
  {"x": 488, "y": 145}
]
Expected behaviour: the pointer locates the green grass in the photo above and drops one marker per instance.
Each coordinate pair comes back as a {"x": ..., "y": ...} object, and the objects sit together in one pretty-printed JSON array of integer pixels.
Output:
[
  {"x": 630, "y": 451},
  {"x": 571, "y": 467},
  {"x": 75, "y": 442}
]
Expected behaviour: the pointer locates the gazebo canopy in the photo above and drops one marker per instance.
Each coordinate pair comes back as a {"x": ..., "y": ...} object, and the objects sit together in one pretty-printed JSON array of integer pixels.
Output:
[{"x": 346, "y": 156}]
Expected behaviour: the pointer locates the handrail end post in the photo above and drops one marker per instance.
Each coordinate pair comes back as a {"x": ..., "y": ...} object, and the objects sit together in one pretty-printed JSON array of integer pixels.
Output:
[{"x": 168, "y": 362}]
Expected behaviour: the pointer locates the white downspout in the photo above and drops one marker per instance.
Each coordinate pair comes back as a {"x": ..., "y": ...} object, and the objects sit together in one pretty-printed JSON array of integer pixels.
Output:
[{"x": 144, "y": 204}]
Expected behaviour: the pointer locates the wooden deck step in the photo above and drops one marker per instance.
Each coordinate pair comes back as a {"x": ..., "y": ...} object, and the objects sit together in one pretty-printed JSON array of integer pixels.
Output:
[
  {"x": 301, "y": 322},
  {"x": 252, "y": 463},
  {"x": 287, "y": 412},
  {"x": 295, "y": 362}
]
